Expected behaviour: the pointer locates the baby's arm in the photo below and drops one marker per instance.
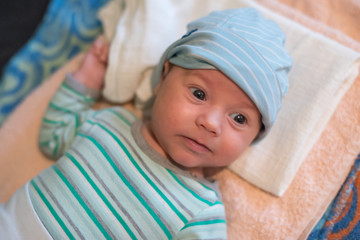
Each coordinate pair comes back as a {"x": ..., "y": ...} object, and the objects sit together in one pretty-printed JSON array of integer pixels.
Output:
[{"x": 71, "y": 104}]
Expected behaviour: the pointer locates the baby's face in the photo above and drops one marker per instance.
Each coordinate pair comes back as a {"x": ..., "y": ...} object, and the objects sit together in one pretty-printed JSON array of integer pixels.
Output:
[{"x": 201, "y": 118}]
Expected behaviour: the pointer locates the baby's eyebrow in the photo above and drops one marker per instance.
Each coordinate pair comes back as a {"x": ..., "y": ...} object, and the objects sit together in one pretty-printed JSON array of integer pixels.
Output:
[
  {"x": 246, "y": 104},
  {"x": 252, "y": 110},
  {"x": 199, "y": 75}
]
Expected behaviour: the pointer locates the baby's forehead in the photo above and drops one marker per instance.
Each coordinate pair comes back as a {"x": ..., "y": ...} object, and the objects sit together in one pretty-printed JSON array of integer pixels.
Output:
[
  {"x": 211, "y": 75},
  {"x": 217, "y": 81}
]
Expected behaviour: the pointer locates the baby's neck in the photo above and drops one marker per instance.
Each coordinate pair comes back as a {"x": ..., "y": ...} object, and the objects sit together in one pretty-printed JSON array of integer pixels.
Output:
[{"x": 198, "y": 172}]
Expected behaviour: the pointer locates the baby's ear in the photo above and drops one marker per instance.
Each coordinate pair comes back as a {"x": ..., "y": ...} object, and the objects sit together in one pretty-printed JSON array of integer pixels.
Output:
[{"x": 166, "y": 70}]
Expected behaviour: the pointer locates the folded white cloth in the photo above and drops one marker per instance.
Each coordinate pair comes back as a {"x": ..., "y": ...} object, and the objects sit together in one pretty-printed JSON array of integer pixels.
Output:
[
  {"x": 323, "y": 71},
  {"x": 143, "y": 30}
]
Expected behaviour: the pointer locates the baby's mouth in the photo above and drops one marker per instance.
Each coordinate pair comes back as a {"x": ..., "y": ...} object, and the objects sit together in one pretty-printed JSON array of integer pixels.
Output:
[{"x": 196, "y": 146}]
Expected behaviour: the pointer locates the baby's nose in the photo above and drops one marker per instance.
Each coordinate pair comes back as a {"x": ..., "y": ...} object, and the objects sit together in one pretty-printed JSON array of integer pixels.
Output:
[{"x": 210, "y": 121}]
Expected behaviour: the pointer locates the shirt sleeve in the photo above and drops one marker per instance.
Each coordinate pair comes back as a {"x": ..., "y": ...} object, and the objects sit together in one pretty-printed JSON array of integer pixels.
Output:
[
  {"x": 208, "y": 224},
  {"x": 67, "y": 110}
]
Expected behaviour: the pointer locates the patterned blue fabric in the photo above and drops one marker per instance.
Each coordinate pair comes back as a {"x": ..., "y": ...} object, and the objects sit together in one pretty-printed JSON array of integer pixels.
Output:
[
  {"x": 342, "y": 219},
  {"x": 68, "y": 27},
  {"x": 243, "y": 45}
]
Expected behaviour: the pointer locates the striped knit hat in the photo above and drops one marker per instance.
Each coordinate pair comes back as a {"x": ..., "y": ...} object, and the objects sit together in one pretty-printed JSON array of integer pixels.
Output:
[{"x": 245, "y": 47}]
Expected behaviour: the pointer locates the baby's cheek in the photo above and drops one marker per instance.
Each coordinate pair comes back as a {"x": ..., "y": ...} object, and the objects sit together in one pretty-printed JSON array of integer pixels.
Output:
[
  {"x": 181, "y": 113},
  {"x": 232, "y": 149}
]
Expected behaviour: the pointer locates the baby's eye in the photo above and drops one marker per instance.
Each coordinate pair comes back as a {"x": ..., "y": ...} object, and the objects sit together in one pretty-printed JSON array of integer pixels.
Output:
[
  {"x": 198, "y": 93},
  {"x": 239, "y": 118}
]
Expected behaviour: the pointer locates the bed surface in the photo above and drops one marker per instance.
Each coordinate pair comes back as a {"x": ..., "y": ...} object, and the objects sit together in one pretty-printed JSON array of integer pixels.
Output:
[{"x": 252, "y": 213}]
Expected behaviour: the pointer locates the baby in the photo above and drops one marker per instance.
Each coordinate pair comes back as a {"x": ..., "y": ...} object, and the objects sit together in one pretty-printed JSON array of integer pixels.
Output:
[{"x": 217, "y": 90}]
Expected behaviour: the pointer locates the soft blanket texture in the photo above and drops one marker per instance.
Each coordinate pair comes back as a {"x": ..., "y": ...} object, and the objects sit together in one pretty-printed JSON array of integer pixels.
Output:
[
  {"x": 251, "y": 213},
  {"x": 318, "y": 79}
]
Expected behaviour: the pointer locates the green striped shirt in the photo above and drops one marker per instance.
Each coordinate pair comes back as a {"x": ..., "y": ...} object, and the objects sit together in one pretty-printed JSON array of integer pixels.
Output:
[{"x": 109, "y": 184}]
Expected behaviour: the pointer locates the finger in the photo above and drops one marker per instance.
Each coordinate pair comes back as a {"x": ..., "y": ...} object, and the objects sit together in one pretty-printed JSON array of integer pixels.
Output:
[{"x": 105, "y": 52}]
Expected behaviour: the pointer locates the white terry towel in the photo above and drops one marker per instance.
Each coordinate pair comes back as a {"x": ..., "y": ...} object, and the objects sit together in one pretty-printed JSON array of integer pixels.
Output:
[{"x": 323, "y": 71}]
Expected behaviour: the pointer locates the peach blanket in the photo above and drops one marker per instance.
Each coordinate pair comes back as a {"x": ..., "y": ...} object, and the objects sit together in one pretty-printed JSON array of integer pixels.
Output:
[{"x": 252, "y": 213}]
